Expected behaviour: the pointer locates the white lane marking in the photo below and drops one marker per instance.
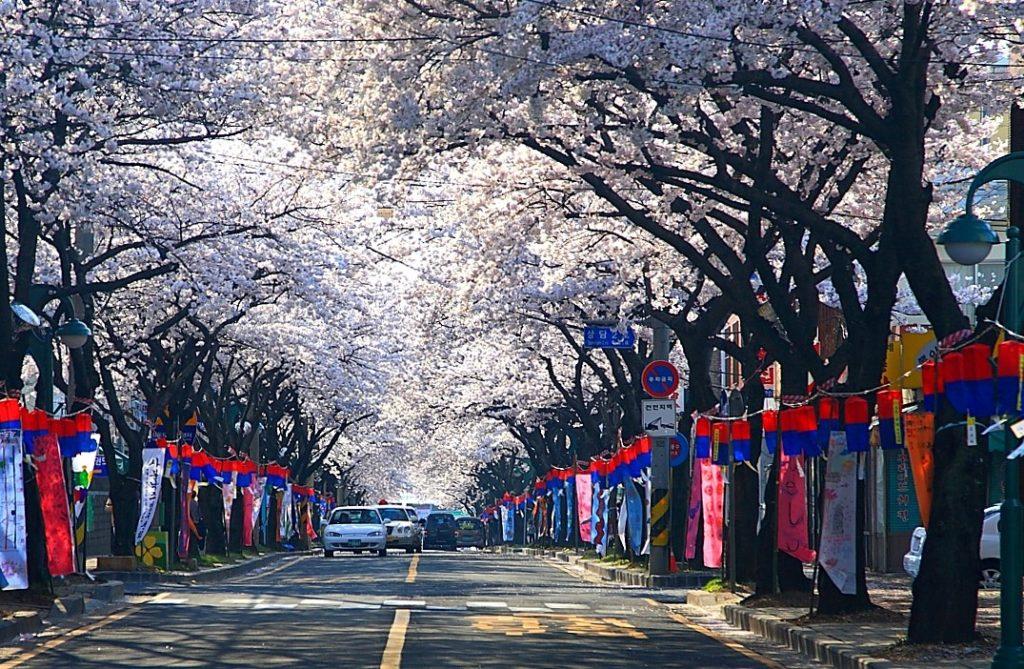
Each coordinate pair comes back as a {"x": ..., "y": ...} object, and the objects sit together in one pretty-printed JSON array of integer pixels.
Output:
[
  {"x": 242, "y": 601},
  {"x": 274, "y": 605},
  {"x": 168, "y": 600},
  {"x": 486, "y": 605},
  {"x": 565, "y": 606},
  {"x": 527, "y": 609},
  {"x": 337, "y": 603},
  {"x": 613, "y": 612},
  {"x": 404, "y": 603}
]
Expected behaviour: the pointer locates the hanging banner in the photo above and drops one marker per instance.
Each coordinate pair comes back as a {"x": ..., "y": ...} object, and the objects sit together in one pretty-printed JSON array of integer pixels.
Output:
[
  {"x": 247, "y": 515},
  {"x": 693, "y": 512},
  {"x": 920, "y": 438},
  {"x": 53, "y": 502},
  {"x": 792, "y": 534},
  {"x": 646, "y": 550},
  {"x": 152, "y": 477},
  {"x": 635, "y": 514},
  {"x": 570, "y": 507},
  {"x": 82, "y": 465},
  {"x": 713, "y": 500},
  {"x": 227, "y": 491},
  {"x": 596, "y": 527},
  {"x": 285, "y": 521},
  {"x": 601, "y": 535},
  {"x": 258, "y": 486},
  {"x": 623, "y": 517},
  {"x": 184, "y": 469},
  {"x": 764, "y": 467},
  {"x": 508, "y": 525},
  {"x": 838, "y": 550},
  {"x": 583, "y": 499},
  {"x": 556, "y": 514},
  {"x": 13, "y": 558}
]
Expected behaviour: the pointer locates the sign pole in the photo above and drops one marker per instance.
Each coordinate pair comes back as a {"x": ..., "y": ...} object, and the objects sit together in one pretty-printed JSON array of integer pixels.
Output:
[{"x": 659, "y": 561}]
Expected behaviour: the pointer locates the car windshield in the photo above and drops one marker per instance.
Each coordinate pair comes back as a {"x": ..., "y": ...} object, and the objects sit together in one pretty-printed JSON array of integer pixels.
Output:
[
  {"x": 393, "y": 514},
  {"x": 355, "y": 517},
  {"x": 469, "y": 524}
]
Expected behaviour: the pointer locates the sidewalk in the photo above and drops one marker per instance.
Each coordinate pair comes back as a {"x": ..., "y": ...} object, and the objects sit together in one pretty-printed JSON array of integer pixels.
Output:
[
  {"x": 25, "y": 612},
  {"x": 205, "y": 574},
  {"x": 874, "y": 640},
  {"x": 614, "y": 572}
]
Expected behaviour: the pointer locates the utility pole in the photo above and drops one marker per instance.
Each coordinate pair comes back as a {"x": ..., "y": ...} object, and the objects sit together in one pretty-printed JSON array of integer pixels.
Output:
[
  {"x": 1011, "y": 609},
  {"x": 660, "y": 473}
]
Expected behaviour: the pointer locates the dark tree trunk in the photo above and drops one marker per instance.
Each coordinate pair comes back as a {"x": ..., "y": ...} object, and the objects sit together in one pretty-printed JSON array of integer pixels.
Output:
[
  {"x": 946, "y": 588},
  {"x": 788, "y": 569},
  {"x": 211, "y": 502},
  {"x": 125, "y": 503},
  {"x": 747, "y": 493},
  {"x": 38, "y": 571},
  {"x": 235, "y": 531}
]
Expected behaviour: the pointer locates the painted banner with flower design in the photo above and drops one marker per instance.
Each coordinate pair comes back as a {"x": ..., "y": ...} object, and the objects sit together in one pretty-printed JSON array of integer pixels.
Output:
[{"x": 152, "y": 477}]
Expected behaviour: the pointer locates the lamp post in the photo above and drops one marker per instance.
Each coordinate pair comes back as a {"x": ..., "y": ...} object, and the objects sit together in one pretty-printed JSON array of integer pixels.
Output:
[{"x": 968, "y": 240}]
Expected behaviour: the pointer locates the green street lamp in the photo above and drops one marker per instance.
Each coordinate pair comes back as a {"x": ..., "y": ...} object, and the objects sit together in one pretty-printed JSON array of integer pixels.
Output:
[{"x": 968, "y": 240}]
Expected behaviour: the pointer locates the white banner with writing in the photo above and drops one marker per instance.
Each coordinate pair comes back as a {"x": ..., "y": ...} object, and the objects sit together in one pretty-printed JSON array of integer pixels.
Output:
[{"x": 152, "y": 477}]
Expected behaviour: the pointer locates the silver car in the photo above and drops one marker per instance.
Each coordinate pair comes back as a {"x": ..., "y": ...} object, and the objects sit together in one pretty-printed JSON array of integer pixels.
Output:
[
  {"x": 404, "y": 531},
  {"x": 356, "y": 529}
]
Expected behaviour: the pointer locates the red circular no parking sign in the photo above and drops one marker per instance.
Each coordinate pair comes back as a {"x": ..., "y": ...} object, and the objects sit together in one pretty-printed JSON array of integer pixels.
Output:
[{"x": 660, "y": 378}]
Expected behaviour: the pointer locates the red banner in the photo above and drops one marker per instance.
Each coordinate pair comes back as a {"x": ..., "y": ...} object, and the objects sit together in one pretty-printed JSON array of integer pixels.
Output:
[{"x": 53, "y": 499}]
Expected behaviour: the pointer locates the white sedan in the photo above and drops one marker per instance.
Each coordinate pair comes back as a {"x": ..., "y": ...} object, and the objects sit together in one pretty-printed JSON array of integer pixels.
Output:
[
  {"x": 989, "y": 549},
  {"x": 355, "y": 528}
]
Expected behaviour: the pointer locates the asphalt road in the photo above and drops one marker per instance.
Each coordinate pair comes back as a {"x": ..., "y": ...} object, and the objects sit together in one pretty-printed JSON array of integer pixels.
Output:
[{"x": 434, "y": 610}]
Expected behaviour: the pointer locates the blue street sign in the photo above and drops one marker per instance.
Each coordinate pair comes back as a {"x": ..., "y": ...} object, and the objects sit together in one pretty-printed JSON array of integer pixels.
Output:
[{"x": 599, "y": 336}]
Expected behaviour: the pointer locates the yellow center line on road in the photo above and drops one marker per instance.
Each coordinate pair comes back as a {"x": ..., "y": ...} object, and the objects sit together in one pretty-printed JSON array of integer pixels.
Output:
[
  {"x": 32, "y": 653},
  {"x": 392, "y": 658},
  {"x": 413, "y": 566}
]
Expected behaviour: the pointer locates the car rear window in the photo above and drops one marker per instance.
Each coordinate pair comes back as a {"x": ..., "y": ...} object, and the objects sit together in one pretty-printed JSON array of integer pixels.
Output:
[
  {"x": 469, "y": 524},
  {"x": 393, "y": 514},
  {"x": 440, "y": 519},
  {"x": 355, "y": 517}
]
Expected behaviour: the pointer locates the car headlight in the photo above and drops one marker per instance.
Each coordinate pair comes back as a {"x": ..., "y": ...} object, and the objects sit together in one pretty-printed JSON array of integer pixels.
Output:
[
  {"x": 334, "y": 534},
  {"x": 375, "y": 533}
]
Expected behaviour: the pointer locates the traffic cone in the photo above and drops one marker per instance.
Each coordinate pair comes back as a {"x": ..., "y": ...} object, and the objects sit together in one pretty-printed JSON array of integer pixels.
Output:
[{"x": 672, "y": 566}]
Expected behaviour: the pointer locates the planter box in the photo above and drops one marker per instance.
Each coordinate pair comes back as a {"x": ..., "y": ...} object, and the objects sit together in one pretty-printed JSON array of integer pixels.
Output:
[{"x": 115, "y": 563}]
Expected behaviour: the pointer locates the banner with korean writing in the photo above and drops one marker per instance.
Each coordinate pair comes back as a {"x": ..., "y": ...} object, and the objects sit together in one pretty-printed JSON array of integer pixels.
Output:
[{"x": 152, "y": 479}]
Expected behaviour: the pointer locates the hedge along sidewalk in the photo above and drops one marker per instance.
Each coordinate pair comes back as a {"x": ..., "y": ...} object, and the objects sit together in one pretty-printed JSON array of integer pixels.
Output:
[
  {"x": 204, "y": 575},
  {"x": 615, "y": 574}
]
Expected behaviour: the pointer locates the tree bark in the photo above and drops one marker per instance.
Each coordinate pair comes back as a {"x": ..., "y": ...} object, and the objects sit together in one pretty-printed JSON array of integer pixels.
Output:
[{"x": 946, "y": 588}]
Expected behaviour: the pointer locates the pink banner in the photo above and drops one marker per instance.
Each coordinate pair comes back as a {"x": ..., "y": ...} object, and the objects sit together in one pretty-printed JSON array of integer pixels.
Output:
[
  {"x": 693, "y": 514},
  {"x": 713, "y": 493},
  {"x": 246, "y": 516},
  {"x": 583, "y": 495},
  {"x": 792, "y": 535},
  {"x": 53, "y": 499}
]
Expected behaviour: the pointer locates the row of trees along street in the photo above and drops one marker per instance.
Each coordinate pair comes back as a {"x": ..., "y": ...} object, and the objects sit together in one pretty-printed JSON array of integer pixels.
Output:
[
  {"x": 373, "y": 230},
  {"x": 648, "y": 161}
]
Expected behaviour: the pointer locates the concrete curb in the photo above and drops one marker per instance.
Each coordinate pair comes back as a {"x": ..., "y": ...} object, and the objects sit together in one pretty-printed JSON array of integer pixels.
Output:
[
  {"x": 67, "y": 606},
  {"x": 202, "y": 576},
  {"x": 804, "y": 640},
  {"x": 686, "y": 579}
]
